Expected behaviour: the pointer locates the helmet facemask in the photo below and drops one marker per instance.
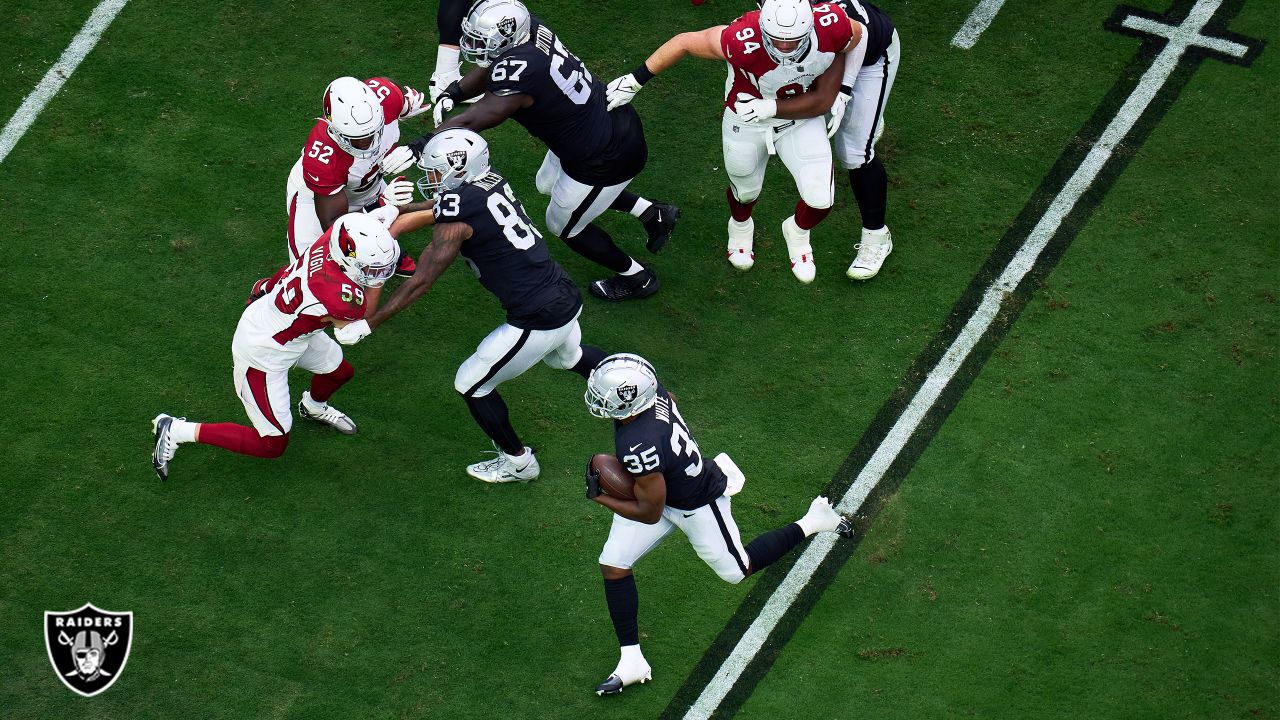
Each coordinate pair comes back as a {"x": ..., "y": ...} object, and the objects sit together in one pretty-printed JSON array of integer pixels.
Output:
[
  {"x": 787, "y": 57},
  {"x": 348, "y": 143},
  {"x": 359, "y": 263},
  {"x": 621, "y": 386}
]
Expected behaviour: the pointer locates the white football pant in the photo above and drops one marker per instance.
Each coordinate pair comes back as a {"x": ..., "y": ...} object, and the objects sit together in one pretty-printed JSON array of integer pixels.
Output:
[{"x": 802, "y": 145}]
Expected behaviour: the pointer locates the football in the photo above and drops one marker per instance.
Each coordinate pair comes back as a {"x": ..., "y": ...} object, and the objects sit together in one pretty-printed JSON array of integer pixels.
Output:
[{"x": 615, "y": 481}]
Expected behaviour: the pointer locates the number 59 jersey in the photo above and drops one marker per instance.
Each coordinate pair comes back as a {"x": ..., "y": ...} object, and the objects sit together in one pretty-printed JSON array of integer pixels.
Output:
[
  {"x": 276, "y": 328},
  {"x": 508, "y": 255},
  {"x": 658, "y": 440}
]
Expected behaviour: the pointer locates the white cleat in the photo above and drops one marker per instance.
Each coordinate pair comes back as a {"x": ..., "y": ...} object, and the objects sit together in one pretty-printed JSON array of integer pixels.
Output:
[
  {"x": 325, "y": 414},
  {"x": 627, "y": 673},
  {"x": 872, "y": 251},
  {"x": 166, "y": 446},
  {"x": 801, "y": 252},
  {"x": 506, "y": 469},
  {"x": 741, "y": 238},
  {"x": 824, "y": 518}
]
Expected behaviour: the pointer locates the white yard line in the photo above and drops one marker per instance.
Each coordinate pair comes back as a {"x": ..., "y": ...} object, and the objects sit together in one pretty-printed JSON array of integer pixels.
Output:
[
  {"x": 53, "y": 80},
  {"x": 978, "y": 21},
  {"x": 777, "y": 605}
]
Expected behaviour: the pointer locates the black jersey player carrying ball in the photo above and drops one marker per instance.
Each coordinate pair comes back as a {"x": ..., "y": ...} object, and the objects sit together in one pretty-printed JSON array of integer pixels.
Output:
[
  {"x": 477, "y": 216},
  {"x": 526, "y": 73}
]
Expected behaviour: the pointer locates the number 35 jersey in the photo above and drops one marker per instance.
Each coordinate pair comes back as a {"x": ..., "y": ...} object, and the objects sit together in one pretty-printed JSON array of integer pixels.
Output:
[
  {"x": 509, "y": 256},
  {"x": 658, "y": 440}
]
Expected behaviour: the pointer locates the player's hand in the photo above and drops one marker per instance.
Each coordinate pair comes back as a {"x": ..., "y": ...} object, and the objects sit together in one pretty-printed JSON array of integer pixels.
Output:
[
  {"x": 753, "y": 109},
  {"x": 837, "y": 109},
  {"x": 593, "y": 481},
  {"x": 398, "y": 160},
  {"x": 622, "y": 90},
  {"x": 415, "y": 103},
  {"x": 398, "y": 192},
  {"x": 443, "y": 106},
  {"x": 352, "y": 333}
]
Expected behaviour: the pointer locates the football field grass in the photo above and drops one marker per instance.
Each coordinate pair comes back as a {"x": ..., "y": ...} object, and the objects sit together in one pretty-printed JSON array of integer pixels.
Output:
[{"x": 1090, "y": 533}]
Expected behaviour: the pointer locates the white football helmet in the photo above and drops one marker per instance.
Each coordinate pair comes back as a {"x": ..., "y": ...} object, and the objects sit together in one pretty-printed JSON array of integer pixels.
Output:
[
  {"x": 622, "y": 385},
  {"x": 789, "y": 22},
  {"x": 491, "y": 28},
  {"x": 354, "y": 115},
  {"x": 363, "y": 248},
  {"x": 451, "y": 158}
]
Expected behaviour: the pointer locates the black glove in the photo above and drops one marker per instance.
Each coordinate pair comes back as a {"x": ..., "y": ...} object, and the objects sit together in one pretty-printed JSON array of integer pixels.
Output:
[
  {"x": 593, "y": 481},
  {"x": 417, "y": 146},
  {"x": 454, "y": 91}
]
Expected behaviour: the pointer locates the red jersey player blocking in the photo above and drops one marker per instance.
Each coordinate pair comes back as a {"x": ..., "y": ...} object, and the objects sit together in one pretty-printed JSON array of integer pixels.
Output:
[
  {"x": 284, "y": 328},
  {"x": 342, "y": 163},
  {"x": 787, "y": 62}
]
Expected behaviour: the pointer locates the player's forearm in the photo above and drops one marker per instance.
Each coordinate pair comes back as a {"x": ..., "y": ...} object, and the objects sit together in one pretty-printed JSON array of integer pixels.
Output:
[
  {"x": 630, "y": 509},
  {"x": 472, "y": 84},
  {"x": 413, "y": 217},
  {"x": 403, "y": 297},
  {"x": 703, "y": 44},
  {"x": 818, "y": 99}
]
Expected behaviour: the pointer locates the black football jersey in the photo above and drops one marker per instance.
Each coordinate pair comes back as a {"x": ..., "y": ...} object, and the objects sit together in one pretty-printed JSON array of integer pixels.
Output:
[
  {"x": 879, "y": 26},
  {"x": 658, "y": 440},
  {"x": 509, "y": 256},
  {"x": 569, "y": 111}
]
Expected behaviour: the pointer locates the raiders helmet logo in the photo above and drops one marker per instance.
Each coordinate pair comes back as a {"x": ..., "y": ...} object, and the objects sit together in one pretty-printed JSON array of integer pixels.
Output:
[
  {"x": 627, "y": 393},
  {"x": 507, "y": 26},
  {"x": 88, "y": 647},
  {"x": 457, "y": 159}
]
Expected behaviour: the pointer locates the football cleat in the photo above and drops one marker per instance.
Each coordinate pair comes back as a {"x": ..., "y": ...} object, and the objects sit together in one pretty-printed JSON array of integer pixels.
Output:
[
  {"x": 626, "y": 287},
  {"x": 165, "y": 446},
  {"x": 626, "y": 674},
  {"x": 802, "y": 265},
  {"x": 406, "y": 266},
  {"x": 741, "y": 237},
  {"x": 872, "y": 251},
  {"x": 661, "y": 223},
  {"x": 823, "y": 518},
  {"x": 325, "y": 414},
  {"x": 259, "y": 289},
  {"x": 845, "y": 529},
  {"x": 503, "y": 469}
]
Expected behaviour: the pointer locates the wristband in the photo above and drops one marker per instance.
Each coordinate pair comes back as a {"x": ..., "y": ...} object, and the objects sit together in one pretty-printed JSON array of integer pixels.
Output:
[
  {"x": 845, "y": 89},
  {"x": 642, "y": 74}
]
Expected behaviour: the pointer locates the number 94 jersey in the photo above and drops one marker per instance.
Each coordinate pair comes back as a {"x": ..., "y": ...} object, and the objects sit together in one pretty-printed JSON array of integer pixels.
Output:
[
  {"x": 658, "y": 440},
  {"x": 509, "y": 256}
]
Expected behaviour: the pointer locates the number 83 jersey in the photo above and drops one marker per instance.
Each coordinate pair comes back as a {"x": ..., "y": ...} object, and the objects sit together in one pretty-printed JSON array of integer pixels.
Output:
[
  {"x": 658, "y": 440},
  {"x": 509, "y": 256}
]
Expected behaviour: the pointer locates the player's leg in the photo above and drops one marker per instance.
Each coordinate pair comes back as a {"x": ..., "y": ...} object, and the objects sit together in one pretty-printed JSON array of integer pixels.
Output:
[
  {"x": 571, "y": 354},
  {"x": 659, "y": 219},
  {"x": 448, "y": 68},
  {"x": 504, "y": 354},
  {"x": 805, "y": 151},
  {"x": 628, "y": 542},
  {"x": 570, "y": 213},
  {"x": 746, "y": 155},
  {"x": 323, "y": 357},
  {"x": 855, "y": 149},
  {"x": 303, "y": 227}
]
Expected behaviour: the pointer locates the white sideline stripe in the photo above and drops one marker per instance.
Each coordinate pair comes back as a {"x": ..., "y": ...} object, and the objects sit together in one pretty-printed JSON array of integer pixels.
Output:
[
  {"x": 53, "y": 80},
  {"x": 981, "y": 17},
  {"x": 941, "y": 375}
]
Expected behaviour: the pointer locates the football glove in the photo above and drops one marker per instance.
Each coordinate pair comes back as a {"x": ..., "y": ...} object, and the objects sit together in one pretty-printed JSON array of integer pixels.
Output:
[
  {"x": 753, "y": 109},
  {"x": 415, "y": 103},
  {"x": 398, "y": 192},
  {"x": 837, "y": 109},
  {"x": 593, "y": 481},
  {"x": 622, "y": 90},
  {"x": 352, "y": 333},
  {"x": 398, "y": 160},
  {"x": 451, "y": 96}
]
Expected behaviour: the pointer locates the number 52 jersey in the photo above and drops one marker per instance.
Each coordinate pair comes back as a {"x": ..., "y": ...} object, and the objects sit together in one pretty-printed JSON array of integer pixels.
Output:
[{"x": 508, "y": 255}]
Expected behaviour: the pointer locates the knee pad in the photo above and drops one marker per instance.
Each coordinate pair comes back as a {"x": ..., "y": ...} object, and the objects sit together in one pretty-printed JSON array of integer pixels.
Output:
[
  {"x": 557, "y": 219},
  {"x": 819, "y": 196}
]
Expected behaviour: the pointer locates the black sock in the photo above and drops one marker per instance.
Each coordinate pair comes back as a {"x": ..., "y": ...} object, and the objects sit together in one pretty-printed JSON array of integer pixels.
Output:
[
  {"x": 870, "y": 188},
  {"x": 490, "y": 413},
  {"x": 625, "y": 202},
  {"x": 624, "y": 607},
  {"x": 773, "y": 545},
  {"x": 594, "y": 244},
  {"x": 591, "y": 357}
]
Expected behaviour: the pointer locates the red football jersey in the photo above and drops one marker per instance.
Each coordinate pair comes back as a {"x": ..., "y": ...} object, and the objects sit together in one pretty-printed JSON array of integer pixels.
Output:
[
  {"x": 754, "y": 72},
  {"x": 327, "y": 168}
]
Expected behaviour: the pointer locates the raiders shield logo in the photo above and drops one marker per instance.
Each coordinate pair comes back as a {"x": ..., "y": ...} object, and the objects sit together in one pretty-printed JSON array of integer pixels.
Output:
[
  {"x": 627, "y": 393},
  {"x": 88, "y": 647},
  {"x": 457, "y": 159},
  {"x": 507, "y": 27}
]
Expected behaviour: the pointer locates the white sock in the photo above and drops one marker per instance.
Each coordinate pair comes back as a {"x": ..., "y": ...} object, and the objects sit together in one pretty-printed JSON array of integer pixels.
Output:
[
  {"x": 641, "y": 206},
  {"x": 183, "y": 431},
  {"x": 878, "y": 232},
  {"x": 521, "y": 461},
  {"x": 635, "y": 268},
  {"x": 312, "y": 403},
  {"x": 631, "y": 654},
  {"x": 447, "y": 62}
]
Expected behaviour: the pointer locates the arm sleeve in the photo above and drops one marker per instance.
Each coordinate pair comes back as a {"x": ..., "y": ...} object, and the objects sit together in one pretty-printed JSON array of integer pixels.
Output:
[
  {"x": 853, "y": 60},
  {"x": 449, "y": 20}
]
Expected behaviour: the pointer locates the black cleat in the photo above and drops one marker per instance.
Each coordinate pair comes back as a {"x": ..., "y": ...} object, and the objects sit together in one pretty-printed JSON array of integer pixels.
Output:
[
  {"x": 626, "y": 287},
  {"x": 845, "y": 529},
  {"x": 405, "y": 266},
  {"x": 165, "y": 447},
  {"x": 611, "y": 686},
  {"x": 659, "y": 221},
  {"x": 259, "y": 289}
]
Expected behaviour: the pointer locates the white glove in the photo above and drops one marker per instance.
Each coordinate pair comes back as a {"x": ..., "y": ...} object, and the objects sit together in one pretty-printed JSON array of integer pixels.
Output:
[
  {"x": 753, "y": 109},
  {"x": 622, "y": 91},
  {"x": 837, "y": 110},
  {"x": 415, "y": 103},
  {"x": 443, "y": 105},
  {"x": 386, "y": 214},
  {"x": 352, "y": 333},
  {"x": 398, "y": 192},
  {"x": 398, "y": 160}
]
